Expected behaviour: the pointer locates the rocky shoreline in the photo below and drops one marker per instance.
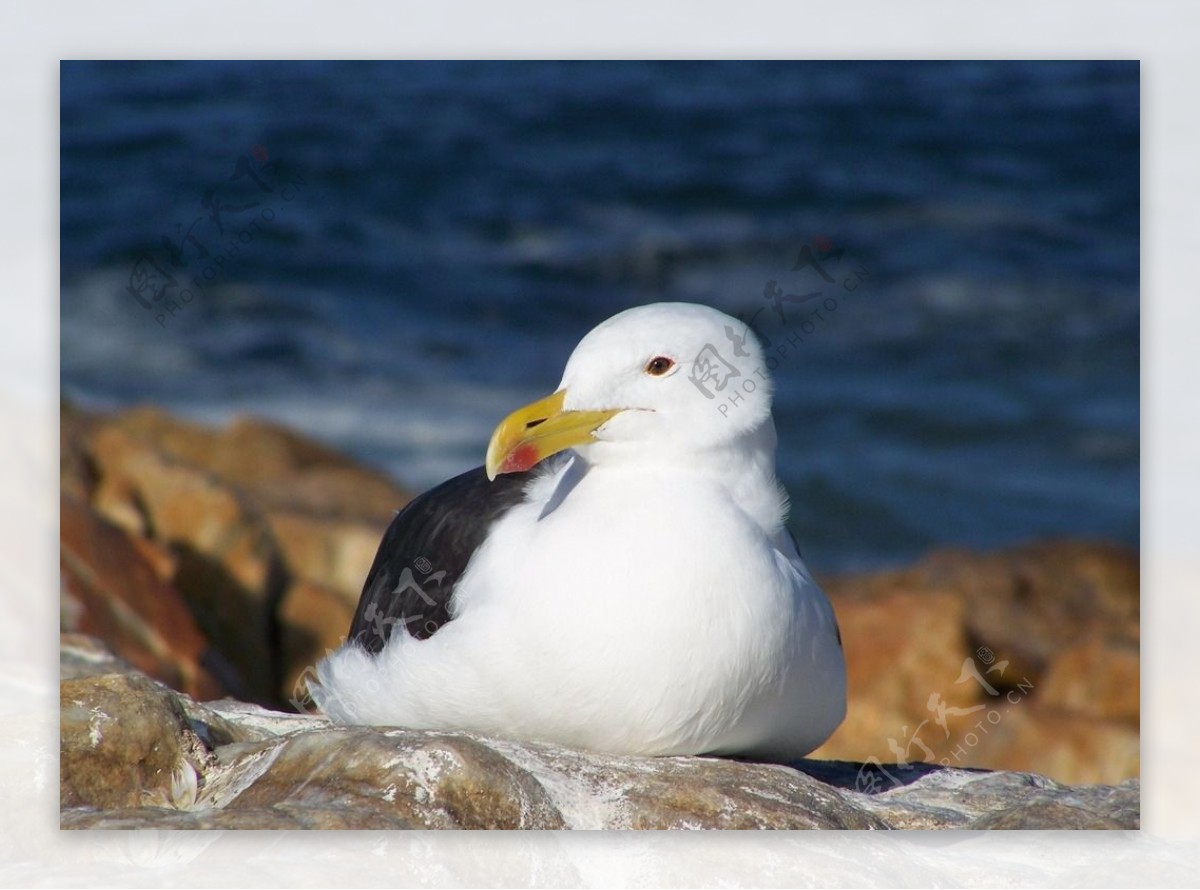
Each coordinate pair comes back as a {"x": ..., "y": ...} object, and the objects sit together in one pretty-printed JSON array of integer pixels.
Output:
[
  {"x": 224, "y": 563},
  {"x": 136, "y": 754}
]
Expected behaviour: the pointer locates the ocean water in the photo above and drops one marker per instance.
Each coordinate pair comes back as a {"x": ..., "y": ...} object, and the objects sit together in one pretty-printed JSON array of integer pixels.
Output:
[{"x": 392, "y": 256}]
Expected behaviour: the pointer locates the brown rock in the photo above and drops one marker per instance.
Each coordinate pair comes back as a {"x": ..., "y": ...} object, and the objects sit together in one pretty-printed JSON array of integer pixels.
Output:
[
  {"x": 1053, "y": 624},
  {"x": 281, "y": 817},
  {"x": 1047, "y": 814},
  {"x": 313, "y": 622},
  {"x": 76, "y": 475},
  {"x": 1097, "y": 678},
  {"x": 125, "y": 743},
  {"x": 1030, "y": 603},
  {"x": 228, "y": 568},
  {"x": 334, "y": 552},
  {"x": 690, "y": 792},
  {"x": 113, "y": 591},
  {"x": 901, "y": 648},
  {"x": 1072, "y": 748},
  {"x": 137, "y": 755},
  {"x": 116, "y": 498},
  {"x": 280, "y": 469},
  {"x": 421, "y": 779},
  {"x": 238, "y": 514}
]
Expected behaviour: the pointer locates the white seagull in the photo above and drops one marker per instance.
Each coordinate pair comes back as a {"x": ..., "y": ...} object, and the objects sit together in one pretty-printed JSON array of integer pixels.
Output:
[{"x": 637, "y": 594}]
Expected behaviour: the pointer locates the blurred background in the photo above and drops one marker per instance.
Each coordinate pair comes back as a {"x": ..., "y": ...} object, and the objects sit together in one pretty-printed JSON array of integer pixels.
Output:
[{"x": 409, "y": 250}]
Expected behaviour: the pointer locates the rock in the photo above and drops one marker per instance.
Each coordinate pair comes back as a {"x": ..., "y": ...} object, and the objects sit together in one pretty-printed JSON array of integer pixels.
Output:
[
  {"x": 228, "y": 566},
  {"x": 275, "y": 467},
  {"x": 335, "y": 553},
  {"x": 314, "y": 621},
  {"x": 924, "y": 796},
  {"x": 242, "y": 522},
  {"x": 82, "y": 656},
  {"x": 1096, "y": 678},
  {"x": 125, "y": 743},
  {"x": 1035, "y": 738},
  {"x": 1030, "y": 603},
  {"x": 901, "y": 646},
  {"x": 283, "y": 818},
  {"x": 111, "y": 589},
  {"x": 606, "y": 791},
  {"x": 419, "y": 780},
  {"x": 1025, "y": 659},
  {"x": 76, "y": 475},
  {"x": 1089, "y": 807},
  {"x": 138, "y": 755}
]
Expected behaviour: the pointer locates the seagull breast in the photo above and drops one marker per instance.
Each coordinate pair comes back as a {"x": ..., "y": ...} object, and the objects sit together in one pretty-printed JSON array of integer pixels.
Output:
[{"x": 617, "y": 576}]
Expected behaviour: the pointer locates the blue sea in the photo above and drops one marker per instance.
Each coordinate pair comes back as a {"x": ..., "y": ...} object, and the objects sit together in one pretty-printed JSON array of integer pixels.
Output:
[{"x": 392, "y": 256}]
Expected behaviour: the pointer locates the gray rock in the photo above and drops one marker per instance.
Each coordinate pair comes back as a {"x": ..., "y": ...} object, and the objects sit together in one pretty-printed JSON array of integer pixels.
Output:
[
  {"x": 136, "y": 754},
  {"x": 422, "y": 780},
  {"x": 83, "y": 656}
]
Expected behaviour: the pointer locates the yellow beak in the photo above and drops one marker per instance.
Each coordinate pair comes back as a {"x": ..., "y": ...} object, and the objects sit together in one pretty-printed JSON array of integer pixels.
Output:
[{"x": 533, "y": 433}]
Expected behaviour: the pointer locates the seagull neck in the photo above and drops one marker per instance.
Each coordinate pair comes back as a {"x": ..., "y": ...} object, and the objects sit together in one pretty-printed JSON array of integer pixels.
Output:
[
  {"x": 750, "y": 455},
  {"x": 744, "y": 465}
]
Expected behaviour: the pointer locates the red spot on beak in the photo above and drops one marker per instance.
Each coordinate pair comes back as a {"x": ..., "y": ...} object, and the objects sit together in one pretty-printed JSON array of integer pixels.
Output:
[{"x": 522, "y": 458}]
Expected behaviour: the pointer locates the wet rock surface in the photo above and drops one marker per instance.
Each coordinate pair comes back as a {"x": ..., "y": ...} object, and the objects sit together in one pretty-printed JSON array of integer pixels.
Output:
[{"x": 136, "y": 754}]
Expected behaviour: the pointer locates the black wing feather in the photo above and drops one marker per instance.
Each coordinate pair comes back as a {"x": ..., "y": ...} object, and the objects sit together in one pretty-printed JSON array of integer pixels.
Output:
[{"x": 424, "y": 553}]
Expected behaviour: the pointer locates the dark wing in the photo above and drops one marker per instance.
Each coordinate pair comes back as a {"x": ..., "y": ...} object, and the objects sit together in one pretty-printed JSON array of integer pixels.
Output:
[{"x": 424, "y": 553}]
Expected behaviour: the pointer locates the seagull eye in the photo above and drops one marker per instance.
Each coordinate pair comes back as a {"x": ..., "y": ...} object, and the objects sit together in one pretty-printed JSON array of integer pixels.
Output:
[{"x": 659, "y": 365}]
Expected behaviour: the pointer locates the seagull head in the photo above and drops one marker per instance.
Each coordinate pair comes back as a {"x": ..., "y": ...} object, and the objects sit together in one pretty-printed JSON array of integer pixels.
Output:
[{"x": 667, "y": 382}]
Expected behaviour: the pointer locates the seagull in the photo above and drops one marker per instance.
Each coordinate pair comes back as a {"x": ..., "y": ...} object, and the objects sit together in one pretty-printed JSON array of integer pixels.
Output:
[{"x": 617, "y": 577}]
